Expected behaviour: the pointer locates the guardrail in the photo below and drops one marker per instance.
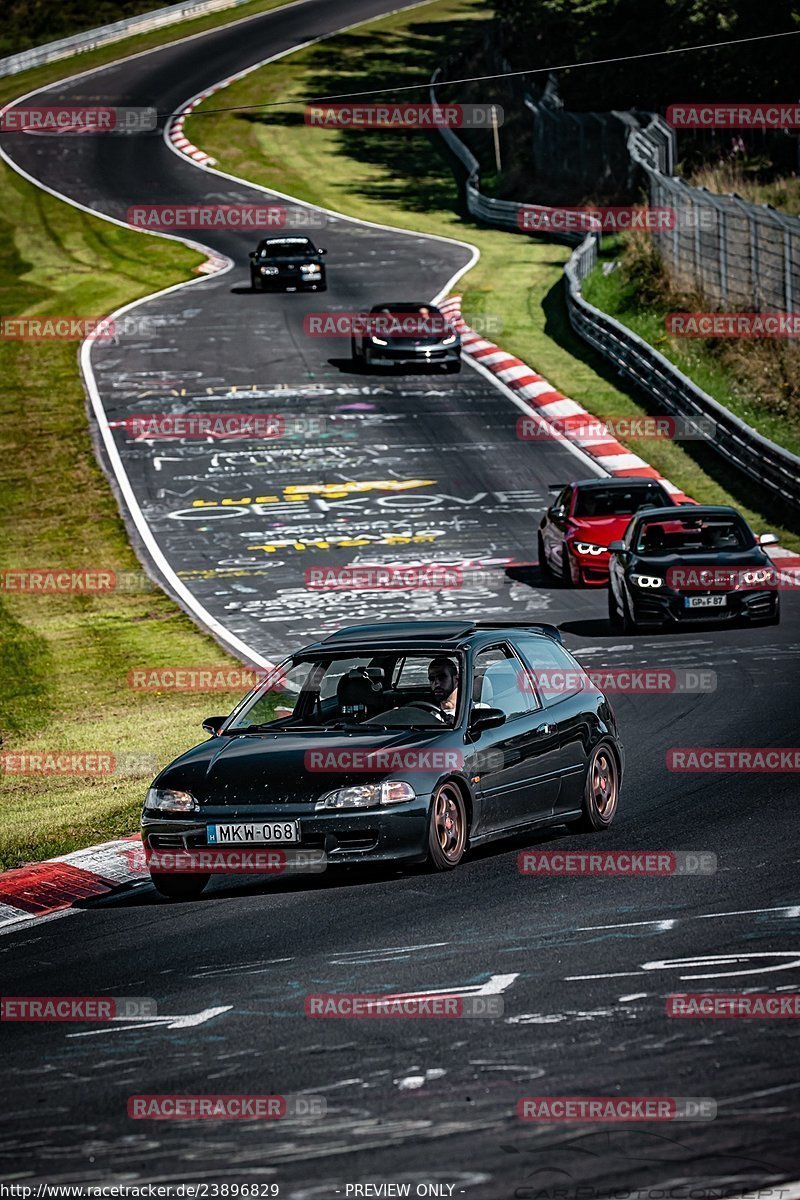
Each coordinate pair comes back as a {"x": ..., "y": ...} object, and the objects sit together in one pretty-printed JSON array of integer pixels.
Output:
[
  {"x": 502, "y": 213},
  {"x": 762, "y": 460},
  {"x": 90, "y": 39}
]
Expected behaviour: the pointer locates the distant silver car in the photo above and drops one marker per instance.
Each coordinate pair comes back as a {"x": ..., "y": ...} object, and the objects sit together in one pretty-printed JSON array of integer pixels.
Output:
[{"x": 403, "y": 335}]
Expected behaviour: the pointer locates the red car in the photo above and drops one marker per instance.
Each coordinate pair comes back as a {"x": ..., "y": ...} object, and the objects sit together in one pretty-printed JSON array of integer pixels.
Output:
[{"x": 585, "y": 516}]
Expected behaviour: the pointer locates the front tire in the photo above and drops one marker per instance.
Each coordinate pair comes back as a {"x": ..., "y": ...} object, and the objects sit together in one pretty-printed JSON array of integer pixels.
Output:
[
  {"x": 600, "y": 792},
  {"x": 544, "y": 565},
  {"x": 452, "y": 368},
  {"x": 614, "y": 618},
  {"x": 179, "y": 887},
  {"x": 447, "y": 832}
]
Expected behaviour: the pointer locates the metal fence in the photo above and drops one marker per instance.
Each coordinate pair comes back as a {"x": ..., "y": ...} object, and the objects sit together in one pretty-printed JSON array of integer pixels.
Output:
[
  {"x": 90, "y": 39},
  {"x": 581, "y": 152},
  {"x": 739, "y": 255},
  {"x": 504, "y": 214},
  {"x": 760, "y": 459},
  {"x": 769, "y": 464}
]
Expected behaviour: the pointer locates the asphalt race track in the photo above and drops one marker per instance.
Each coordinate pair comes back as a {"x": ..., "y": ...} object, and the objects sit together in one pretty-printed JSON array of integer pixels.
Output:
[{"x": 585, "y": 963}]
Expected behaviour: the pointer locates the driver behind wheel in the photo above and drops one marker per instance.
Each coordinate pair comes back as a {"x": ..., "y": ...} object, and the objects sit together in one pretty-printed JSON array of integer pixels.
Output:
[{"x": 443, "y": 680}]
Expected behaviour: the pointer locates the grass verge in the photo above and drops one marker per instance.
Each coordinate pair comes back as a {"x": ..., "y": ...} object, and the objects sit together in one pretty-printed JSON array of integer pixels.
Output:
[
  {"x": 405, "y": 179},
  {"x": 66, "y": 658},
  {"x": 756, "y": 380}
]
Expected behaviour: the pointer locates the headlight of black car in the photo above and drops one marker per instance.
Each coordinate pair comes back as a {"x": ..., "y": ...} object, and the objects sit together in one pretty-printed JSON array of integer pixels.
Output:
[
  {"x": 168, "y": 800},
  {"x": 368, "y": 795}
]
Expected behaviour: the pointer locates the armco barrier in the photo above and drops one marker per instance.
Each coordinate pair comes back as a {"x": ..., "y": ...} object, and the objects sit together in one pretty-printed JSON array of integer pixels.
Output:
[
  {"x": 762, "y": 460},
  {"x": 90, "y": 39},
  {"x": 501, "y": 213}
]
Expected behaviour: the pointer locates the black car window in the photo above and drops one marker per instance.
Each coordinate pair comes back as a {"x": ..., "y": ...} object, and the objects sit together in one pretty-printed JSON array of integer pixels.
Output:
[
  {"x": 692, "y": 534},
  {"x": 286, "y": 249},
  {"x": 555, "y": 671},
  {"x": 499, "y": 680},
  {"x": 616, "y": 501}
]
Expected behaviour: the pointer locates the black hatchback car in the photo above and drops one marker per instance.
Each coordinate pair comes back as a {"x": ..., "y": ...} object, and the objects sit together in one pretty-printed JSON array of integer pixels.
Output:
[
  {"x": 397, "y": 742},
  {"x": 688, "y": 564},
  {"x": 287, "y": 264}
]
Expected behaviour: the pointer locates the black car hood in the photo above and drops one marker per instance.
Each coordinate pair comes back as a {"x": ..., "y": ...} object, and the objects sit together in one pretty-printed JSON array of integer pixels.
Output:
[
  {"x": 272, "y": 768},
  {"x": 720, "y": 560}
]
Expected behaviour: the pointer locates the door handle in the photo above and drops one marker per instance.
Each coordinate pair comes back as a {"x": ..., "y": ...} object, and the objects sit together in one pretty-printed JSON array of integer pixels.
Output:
[{"x": 545, "y": 729}]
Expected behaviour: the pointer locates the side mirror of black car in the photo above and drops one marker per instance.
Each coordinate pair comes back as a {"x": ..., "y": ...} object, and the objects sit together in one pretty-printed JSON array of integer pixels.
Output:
[
  {"x": 617, "y": 547},
  {"x": 321, "y": 251},
  {"x": 252, "y": 254},
  {"x": 486, "y": 718},
  {"x": 213, "y": 725}
]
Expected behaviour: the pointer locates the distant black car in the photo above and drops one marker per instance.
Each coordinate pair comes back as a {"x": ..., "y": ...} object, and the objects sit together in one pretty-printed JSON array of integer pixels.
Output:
[
  {"x": 346, "y": 750},
  {"x": 417, "y": 335},
  {"x": 691, "y": 563},
  {"x": 287, "y": 264}
]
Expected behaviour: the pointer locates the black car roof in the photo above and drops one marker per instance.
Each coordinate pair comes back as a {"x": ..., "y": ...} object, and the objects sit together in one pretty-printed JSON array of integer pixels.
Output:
[
  {"x": 390, "y": 634},
  {"x": 282, "y": 241},
  {"x": 623, "y": 481}
]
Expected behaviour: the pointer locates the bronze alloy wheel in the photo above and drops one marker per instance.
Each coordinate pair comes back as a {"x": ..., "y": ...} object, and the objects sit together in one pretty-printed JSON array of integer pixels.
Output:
[
  {"x": 448, "y": 832},
  {"x": 601, "y": 791},
  {"x": 604, "y": 783}
]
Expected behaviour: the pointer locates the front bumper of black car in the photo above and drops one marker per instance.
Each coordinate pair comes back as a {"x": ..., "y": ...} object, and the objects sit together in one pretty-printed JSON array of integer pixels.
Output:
[
  {"x": 663, "y": 606},
  {"x": 385, "y": 833},
  {"x": 286, "y": 279}
]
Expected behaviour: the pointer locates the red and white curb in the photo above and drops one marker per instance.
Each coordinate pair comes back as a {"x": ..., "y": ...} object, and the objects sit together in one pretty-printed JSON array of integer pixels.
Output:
[
  {"x": 178, "y": 137},
  {"x": 545, "y": 402},
  {"x": 41, "y": 889}
]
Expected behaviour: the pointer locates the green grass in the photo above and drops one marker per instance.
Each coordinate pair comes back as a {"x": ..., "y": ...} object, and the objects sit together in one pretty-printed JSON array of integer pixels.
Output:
[
  {"x": 64, "y": 660},
  {"x": 407, "y": 180},
  {"x": 728, "y": 372}
]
